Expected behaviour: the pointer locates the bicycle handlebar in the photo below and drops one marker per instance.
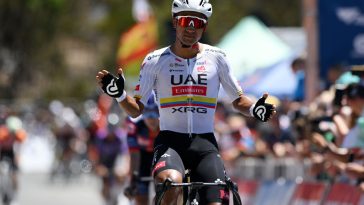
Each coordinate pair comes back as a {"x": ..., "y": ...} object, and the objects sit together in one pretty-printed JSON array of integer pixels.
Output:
[
  {"x": 197, "y": 185},
  {"x": 194, "y": 184}
]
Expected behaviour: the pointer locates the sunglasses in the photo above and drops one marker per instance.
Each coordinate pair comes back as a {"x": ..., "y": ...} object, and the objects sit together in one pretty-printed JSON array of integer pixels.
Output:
[{"x": 193, "y": 21}]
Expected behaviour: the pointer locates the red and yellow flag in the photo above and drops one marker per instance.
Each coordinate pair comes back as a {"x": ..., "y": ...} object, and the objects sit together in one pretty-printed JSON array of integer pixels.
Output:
[{"x": 135, "y": 44}]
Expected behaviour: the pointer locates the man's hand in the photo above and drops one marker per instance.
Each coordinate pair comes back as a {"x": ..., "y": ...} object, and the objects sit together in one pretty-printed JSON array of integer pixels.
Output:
[
  {"x": 130, "y": 191},
  {"x": 319, "y": 140},
  {"x": 355, "y": 170},
  {"x": 110, "y": 84},
  {"x": 263, "y": 111},
  {"x": 101, "y": 171}
]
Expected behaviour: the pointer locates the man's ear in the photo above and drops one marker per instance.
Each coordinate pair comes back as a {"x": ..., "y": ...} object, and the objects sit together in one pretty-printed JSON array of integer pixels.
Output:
[
  {"x": 174, "y": 22},
  {"x": 204, "y": 29}
]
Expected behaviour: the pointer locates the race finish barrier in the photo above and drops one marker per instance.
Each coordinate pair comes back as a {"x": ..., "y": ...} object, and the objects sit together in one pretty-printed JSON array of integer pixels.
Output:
[
  {"x": 282, "y": 192},
  {"x": 271, "y": 169},
  {"x": 248, "y": 191},
  {"x": 277, "y": 192},
  {"x": 309, "y": 193},
  {"x": 344, "y": 194},
  {"x": 287, "y": 182}
]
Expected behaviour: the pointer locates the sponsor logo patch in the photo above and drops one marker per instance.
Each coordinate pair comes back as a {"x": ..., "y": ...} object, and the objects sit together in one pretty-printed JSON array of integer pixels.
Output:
[
  {"x": 165, "y": 155},
  {"x": 201, "y": 63},
  {"x": 189, "y": 109},
  {"x": 216, "y": 51},
  {"x": 224, "y": 195},
  {"x": 159, "y": 165},
  {"x": 154, "y": 56},
  {"x": 183, "y": 90},
  {"x": 178, "y": 65},
  {"x": 200, "y": 79},
  {"x": 201, "y": 69},
  {"x": 175, "y": 70}
]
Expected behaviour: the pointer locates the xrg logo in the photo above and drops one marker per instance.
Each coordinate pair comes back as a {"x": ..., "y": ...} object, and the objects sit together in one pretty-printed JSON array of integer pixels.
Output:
[{"x": 189, "y": 109}]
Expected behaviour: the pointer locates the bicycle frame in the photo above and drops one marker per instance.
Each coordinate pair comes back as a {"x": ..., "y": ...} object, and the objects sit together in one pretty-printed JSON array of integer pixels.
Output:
[
  {"x": 6, "y": 184},
  {"x": 192, "y": 189}
]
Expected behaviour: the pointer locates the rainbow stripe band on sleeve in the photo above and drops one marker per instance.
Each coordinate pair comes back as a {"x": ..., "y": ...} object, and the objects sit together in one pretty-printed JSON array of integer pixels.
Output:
[{"x": 184, "y": 101}]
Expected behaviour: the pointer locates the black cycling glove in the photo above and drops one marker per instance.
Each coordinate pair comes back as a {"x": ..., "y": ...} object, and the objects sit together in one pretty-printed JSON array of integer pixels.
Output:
[
  {"x": 112, "y": 85},
  {"x": 262, "y": 111}
]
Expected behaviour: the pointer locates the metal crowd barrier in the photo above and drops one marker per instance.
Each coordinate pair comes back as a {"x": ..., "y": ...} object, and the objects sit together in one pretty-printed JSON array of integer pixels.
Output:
[{"x": 272, "y": 168}]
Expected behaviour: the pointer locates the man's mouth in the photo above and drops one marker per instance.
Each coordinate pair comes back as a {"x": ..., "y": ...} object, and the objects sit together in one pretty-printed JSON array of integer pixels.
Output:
[{"x": 189, "y": 36}]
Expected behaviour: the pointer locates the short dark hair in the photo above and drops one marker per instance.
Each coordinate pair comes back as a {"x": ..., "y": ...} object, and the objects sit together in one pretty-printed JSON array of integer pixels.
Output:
[
  {"x": 298, "y": 61},
  {"x": 357, "y": 70},
  {"x": 356, "y": 90}
]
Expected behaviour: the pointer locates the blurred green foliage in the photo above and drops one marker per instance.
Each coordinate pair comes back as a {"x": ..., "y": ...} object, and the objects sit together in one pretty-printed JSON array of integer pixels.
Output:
[{"x": 53, "y": 48}]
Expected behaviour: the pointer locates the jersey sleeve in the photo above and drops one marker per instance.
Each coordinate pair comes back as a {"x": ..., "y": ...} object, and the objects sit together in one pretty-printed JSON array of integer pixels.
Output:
[
  {"x": 147, "y": 78},
  {"x": 227, "y": 80}
]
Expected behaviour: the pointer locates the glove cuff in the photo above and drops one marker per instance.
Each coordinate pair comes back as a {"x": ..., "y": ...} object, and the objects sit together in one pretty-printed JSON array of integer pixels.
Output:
[
  {"x": 251, "y": 110},
  {"x": 122, "y": 97}
]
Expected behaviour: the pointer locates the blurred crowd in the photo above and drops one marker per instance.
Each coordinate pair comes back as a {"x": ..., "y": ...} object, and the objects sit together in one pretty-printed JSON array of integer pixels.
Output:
[{"x": 326, "y": 134}]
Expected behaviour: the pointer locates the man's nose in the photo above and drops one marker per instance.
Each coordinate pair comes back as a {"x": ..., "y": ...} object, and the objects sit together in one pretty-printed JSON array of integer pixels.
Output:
[{"x": 190, "y": 29}]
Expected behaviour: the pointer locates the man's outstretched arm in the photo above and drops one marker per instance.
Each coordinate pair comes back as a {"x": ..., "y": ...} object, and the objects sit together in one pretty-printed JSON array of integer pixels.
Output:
[{"x": 243, "y": 104}]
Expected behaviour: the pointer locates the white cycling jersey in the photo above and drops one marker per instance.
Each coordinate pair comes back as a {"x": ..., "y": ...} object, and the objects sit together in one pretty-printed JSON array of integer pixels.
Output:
[{"x": 186, "y": 89}]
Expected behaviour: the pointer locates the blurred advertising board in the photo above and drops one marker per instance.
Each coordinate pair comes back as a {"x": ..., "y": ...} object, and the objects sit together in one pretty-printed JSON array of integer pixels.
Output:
[
  {"x": 247, "y": 191},
  {"x": 343, "y": 194},
  {"x": 275, "y": 192},
  {"x": 341, "y": 33},
  {"x": 311, "y": 193}
]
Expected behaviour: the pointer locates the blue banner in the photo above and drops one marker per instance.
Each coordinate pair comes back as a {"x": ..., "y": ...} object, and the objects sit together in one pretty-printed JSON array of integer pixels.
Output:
[{"x": 341, "y": 33}]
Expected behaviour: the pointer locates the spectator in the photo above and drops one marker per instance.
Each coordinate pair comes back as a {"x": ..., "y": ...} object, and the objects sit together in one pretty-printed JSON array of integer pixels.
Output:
[{"x": 298, "y": 67}]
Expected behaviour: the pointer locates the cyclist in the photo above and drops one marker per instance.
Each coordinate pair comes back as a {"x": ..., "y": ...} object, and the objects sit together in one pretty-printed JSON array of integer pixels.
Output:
[
  {"x": 141, "y": 135},
  {"x": 111, "y": 145},
  {"x": 12, "y": 134},
  {"x": 186, "y": 78}
]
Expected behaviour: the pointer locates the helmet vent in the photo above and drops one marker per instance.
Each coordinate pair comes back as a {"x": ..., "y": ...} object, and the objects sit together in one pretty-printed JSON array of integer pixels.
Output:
[
  {"x": 187, "y": 1},
  {"x": 175, "y": 5}
]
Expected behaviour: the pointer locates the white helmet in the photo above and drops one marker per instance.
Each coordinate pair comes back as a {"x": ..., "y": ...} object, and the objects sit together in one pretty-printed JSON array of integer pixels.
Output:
[{"x": 200, "y": 6}]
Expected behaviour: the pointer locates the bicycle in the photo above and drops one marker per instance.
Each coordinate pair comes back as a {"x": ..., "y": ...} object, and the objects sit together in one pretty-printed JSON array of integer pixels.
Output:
[
  {"x": 190, "y": 189},
  {"x": 6, "y": 184},
  {"x": 131, "y": 191}
]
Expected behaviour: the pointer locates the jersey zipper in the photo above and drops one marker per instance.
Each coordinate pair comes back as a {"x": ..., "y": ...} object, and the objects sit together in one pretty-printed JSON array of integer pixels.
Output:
[{"x": 189, "y": 103}]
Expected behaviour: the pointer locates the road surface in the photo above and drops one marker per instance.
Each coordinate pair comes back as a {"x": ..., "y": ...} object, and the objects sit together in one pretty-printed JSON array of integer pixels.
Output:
[{"x": 36, "y": 189}]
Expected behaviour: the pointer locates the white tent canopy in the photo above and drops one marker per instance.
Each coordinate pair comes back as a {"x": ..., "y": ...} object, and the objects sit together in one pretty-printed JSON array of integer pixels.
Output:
[{"x": 254, "y": 50}]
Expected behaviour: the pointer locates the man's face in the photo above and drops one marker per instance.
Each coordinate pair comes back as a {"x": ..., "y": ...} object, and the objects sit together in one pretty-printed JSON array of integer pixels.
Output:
[
  {"x": 356, "y": 104},
  {"x": 191, "y": 33}
]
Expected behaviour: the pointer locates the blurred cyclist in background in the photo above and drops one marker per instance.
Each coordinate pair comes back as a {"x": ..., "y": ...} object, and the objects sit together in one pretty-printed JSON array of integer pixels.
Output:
[
  {"x": 111, "y": 146},
  {"x": 70, "y": 138},
  {"x": 141, "y": 135},
  {"x": 11, "y": 134}
]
